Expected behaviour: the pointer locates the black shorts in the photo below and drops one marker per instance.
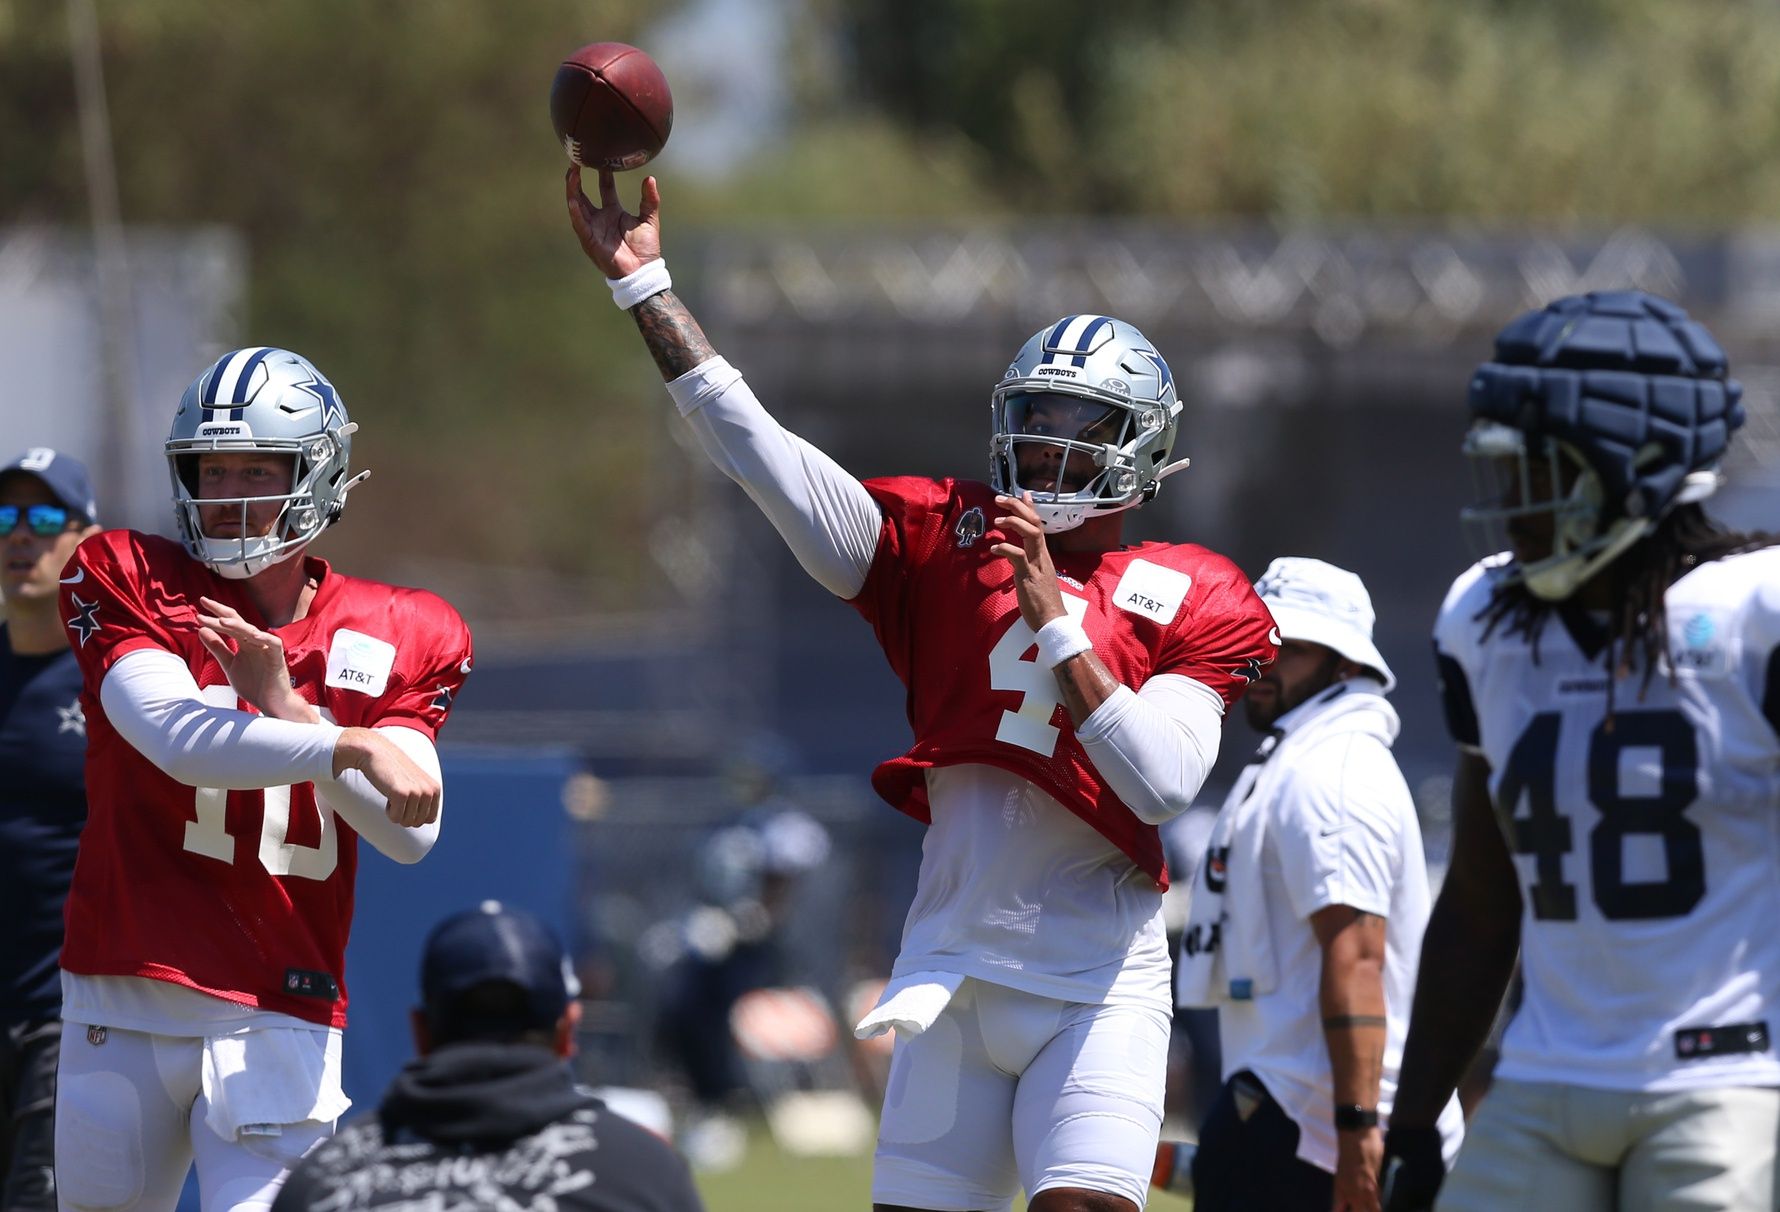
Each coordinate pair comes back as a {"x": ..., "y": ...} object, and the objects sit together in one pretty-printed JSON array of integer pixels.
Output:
[{"x": 1248, "y": 1156}]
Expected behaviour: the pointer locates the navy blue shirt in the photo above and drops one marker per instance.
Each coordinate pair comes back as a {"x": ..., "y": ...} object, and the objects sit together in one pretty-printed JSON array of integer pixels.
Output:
[{"x": 43, "y": 804}]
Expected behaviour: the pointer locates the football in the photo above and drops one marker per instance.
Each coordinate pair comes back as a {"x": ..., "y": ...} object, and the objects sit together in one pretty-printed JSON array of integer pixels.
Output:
[{"x": 611, "y": 106}]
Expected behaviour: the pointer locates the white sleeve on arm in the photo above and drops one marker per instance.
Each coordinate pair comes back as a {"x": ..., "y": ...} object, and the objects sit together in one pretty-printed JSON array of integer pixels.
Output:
[
  {"x": 1155, "y": 746},
  {"x": 153, "y": 701},
  {"x": 823, "y": 513},
  {"x": 366, "y": 809}
]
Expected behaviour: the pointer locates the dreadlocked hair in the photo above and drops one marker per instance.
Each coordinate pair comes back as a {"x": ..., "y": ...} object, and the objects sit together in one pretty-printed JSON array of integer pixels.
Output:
[{"x": 1638, "y": 624}]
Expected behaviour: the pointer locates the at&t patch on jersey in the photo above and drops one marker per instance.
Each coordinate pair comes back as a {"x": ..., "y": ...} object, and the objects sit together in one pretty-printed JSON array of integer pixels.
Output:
[
  {"x": 1152, "y": 590},
  {"x": 1699, "y": 641},
  {"x": 360, "y": 662}
]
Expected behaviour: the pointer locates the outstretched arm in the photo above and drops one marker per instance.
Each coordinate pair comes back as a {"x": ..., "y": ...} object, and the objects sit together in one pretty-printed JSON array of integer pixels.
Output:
[
  {"x": 675, "y": 340},
  {"x": 621, "y": 244},
  {"x": 824, "y": 514}
]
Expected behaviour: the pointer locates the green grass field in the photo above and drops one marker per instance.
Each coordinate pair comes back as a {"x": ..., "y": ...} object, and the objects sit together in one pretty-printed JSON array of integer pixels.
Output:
[{"x": 769, "y": 1180}]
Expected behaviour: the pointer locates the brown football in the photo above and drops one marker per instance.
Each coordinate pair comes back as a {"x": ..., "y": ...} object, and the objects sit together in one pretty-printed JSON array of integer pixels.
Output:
[{"x": 611, "y": 106}]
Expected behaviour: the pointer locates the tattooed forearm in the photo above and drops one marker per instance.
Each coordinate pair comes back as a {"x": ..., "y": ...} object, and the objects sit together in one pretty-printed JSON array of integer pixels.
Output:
[
  {"x": 675, "y": 340},
  {"x": 1086, "y": 683},
  {"x": 1345, "y": 1022}
]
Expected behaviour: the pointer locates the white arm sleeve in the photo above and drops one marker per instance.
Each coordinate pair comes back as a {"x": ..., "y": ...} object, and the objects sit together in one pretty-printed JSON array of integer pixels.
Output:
[
  {"x": 1155, "y": 746},
  {"x": 153, "y": 701},
  {"x": 365, "y": 808},
  {"x": 823, "y": 513}
]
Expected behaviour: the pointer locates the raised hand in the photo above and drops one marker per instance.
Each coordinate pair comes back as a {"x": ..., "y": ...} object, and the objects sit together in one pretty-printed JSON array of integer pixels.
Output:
[
  {"x": 1035, "y": 577},
  {"x": 615, "y": 240},
  {"x": 253, "y": 660}
]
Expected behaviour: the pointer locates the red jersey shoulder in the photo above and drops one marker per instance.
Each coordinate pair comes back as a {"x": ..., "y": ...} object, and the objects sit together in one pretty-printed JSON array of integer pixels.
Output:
[
  {"x": 125, "y": 590},
  {"x": 923, "y": 515},
  {"x": 416, "y": 616},
  {"x": 1170, "y": 583},
  {"x": 146, "y": 563},
  {"x": 1216, "y": 628},
  {"x": 406, "y": 650}
]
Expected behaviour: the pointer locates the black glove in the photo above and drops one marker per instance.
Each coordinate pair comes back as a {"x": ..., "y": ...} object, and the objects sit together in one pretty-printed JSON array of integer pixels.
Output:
[{"x": 1413, "y": 1169}]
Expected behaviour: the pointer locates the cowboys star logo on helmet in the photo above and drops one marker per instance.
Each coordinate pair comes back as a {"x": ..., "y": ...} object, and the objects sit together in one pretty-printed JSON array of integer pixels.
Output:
[
  {"x": 1084, "y": 420},
  {"x": 262, "y": 400}
]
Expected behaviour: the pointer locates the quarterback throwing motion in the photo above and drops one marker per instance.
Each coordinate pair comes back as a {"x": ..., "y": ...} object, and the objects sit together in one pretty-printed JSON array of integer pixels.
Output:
[
  {"x": 250, "y": 713},
  {"x": 1066, "y": 694}
]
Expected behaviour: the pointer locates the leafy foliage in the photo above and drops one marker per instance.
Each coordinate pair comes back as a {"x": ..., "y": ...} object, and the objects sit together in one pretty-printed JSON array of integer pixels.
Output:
[
  {"x": 392, "y": 171},
  {"x": 1501, "y": 110}
]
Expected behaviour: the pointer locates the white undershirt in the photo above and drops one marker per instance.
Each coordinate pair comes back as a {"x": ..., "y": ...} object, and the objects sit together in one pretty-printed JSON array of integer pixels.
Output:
[
  {"x": 1017, "y": 890},
  {"x": 1000, "y": 854}
]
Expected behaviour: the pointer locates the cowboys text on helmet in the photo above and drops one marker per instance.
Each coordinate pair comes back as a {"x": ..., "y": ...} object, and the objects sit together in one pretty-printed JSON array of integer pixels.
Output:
[{"x": 1084, "y": 420}]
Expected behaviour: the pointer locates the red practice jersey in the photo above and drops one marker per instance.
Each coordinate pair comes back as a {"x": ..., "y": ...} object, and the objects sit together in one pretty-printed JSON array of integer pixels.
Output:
[
  {"x": 246, "y": 895},
  {"x": 945, "y": 611}
]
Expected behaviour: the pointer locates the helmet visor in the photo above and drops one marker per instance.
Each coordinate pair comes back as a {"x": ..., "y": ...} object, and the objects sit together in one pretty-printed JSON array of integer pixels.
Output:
[
  {"x": 1536, "y": 500},
  {"x": 1059, "y": 444}
]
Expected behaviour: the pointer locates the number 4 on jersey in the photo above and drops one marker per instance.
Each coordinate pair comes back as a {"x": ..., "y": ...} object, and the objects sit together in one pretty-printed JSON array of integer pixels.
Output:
[{"x": 1029, "y": 725}]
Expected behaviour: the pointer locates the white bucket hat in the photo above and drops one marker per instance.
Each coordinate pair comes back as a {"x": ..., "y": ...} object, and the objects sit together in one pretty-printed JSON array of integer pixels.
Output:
[{"x": 1322, "y": 604}]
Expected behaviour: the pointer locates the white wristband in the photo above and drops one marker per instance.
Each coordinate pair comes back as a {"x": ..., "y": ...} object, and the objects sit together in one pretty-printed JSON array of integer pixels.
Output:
[
  {"x": 1060, "y": 639},
  {"x": 651, "y": 278}
]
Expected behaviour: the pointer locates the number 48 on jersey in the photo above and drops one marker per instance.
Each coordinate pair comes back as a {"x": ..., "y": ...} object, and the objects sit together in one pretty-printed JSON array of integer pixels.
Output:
[{"x": 1642, "y": 775}]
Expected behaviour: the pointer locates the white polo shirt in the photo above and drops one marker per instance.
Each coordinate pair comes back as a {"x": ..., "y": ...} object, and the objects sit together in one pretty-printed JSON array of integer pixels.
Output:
[{"x": 1339, "y": 829}]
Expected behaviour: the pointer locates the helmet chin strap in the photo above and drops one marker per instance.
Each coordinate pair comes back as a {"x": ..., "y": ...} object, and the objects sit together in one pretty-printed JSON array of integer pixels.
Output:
[
  {"x": 1057, "y": 518},
  {"x": 238, "y": 560},
  {"x": 1557, "y": 578},
  {"x": 1554, "y": 579}
]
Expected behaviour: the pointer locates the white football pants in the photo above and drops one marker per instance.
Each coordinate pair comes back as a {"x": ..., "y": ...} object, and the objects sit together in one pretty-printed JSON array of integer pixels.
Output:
[
  {"x": 130, "y": 1121},
  {"x": 1533, "y": 1146},
  {"x": 1009, "y": 1090}
]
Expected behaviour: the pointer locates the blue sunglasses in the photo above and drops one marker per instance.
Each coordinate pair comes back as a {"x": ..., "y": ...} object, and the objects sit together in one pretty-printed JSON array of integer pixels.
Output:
[{"x": 44, "y": 520}]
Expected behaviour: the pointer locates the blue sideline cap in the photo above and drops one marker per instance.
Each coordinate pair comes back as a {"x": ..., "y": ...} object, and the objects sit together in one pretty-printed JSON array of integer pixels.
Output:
[
  {"x": 65, "y": 475},
  {"x": 494, "y": 942}
]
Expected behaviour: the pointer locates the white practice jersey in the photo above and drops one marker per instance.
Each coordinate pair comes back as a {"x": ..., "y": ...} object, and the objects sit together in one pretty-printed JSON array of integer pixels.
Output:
[{"x": 1647, "y": 842}]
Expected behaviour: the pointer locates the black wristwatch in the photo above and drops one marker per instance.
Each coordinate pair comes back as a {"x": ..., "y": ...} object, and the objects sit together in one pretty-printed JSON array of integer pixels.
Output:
[{"x": 1351, "y": 1116}]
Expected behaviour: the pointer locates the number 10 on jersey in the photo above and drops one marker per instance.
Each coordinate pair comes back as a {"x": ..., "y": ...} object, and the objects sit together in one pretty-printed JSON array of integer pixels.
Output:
[{"x": 209, "y": 835}]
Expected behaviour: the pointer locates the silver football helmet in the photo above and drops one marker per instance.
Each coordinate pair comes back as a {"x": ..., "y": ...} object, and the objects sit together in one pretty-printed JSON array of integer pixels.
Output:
[
  {"x": 265, "y": 401},
  {"x": 1084, "y": 420}
]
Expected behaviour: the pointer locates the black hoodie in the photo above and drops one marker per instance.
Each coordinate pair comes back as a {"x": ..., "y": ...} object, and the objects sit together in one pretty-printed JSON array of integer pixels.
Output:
[{"x": 476, "y": 1126}]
